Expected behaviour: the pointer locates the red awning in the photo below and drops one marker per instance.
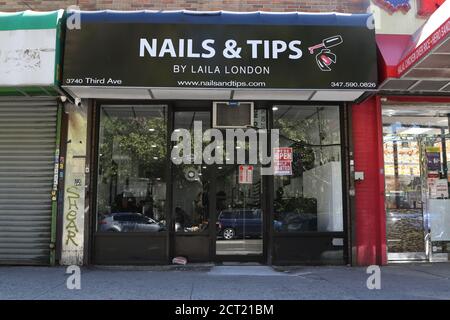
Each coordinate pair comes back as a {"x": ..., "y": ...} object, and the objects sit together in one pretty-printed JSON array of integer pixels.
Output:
[{"x": 421, "y": 62}]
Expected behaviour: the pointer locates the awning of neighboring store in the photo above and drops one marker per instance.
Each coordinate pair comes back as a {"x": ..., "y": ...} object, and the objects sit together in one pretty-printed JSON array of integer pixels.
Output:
[
  {"x": 220, "y": 55},
  {"x": 30, "y": 53},
  {"x": 419, "y": 63}
]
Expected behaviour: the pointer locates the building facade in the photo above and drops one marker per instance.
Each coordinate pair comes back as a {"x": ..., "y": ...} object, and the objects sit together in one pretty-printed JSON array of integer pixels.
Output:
[
  {"x": 132, "y": 181},
  {"x": 412, "y": 113},
  {"x": 347, "y": 6},
  {"x": 241, "y": 76}
]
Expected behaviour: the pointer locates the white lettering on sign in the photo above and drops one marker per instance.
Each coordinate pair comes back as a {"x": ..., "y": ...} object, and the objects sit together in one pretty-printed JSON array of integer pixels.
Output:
[
  {"x": 432, "y": 41},
  {"x": 268, "y": 49}
]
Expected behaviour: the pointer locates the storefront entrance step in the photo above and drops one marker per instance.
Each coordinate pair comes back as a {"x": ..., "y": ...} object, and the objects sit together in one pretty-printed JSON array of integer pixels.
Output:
[
  {"x": 244, "y": 270},
  {"x": 237, "y": 263}
]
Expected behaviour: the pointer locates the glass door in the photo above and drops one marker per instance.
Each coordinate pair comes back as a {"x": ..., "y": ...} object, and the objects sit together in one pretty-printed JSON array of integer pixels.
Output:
[
  {"x": 404, "y": 189},
  {"x": 191, "y": 187},
  {"x": 239, "y": 211},
  {"x": 217, "y": 207},
  {"x": 416, "y": 176}
]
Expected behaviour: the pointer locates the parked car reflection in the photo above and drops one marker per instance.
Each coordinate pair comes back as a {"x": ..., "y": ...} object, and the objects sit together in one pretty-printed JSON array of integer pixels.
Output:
[
  {"x": 129, "y": 222},
  {"x": 239, "y": 223}
]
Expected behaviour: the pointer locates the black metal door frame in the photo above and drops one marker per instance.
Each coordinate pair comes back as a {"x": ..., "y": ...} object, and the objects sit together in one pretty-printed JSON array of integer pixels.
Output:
[
  {"x": 212, "y": 232},
  {"x": 258, "y": 258}
]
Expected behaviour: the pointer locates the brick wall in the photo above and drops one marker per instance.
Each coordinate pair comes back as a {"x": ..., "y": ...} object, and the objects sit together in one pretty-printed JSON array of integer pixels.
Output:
[{"x": 348, "y": 6}]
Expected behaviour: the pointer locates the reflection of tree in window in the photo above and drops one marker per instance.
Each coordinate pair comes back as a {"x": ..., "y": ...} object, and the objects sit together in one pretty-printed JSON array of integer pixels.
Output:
[
  {"x": 141, "y": 140},
  {"x": 132, "y": 160}
]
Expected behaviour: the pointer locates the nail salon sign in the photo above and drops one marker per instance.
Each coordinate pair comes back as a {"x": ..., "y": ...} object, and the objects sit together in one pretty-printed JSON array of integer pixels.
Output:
[{"x": 220, "y": 56}]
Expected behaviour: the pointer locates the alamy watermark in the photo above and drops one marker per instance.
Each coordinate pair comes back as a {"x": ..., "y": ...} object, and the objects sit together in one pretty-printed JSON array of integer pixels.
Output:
[
  {"x": 238, "y": 146},
  {"x": 73, "y": 21},
  {"x": 73, "y": 281},
  {"x": 374, "y": 280}
]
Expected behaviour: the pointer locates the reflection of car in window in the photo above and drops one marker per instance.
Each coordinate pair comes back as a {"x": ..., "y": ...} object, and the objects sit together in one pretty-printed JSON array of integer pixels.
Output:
[
  {"x": 129, "y": 222},
  {"x": 240, "y": 223}
]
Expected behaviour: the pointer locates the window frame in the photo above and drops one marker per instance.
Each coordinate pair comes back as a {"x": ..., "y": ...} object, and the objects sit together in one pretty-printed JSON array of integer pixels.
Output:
[
  {"x": 344, "y": 174},
  {"x": 96, "y": 155}
]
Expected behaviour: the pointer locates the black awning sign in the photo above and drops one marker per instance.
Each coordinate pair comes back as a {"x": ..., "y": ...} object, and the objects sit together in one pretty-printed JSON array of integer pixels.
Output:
[{"x": 220, "y": 56}]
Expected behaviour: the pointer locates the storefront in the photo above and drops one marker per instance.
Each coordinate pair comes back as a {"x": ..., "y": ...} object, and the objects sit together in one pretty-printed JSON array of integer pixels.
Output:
[
  {"x": 213, "y": 136},
  {"x": 30, "y": 118},
  {"x": 416, "y": 155},
  {"x": 415, "y": 108}
]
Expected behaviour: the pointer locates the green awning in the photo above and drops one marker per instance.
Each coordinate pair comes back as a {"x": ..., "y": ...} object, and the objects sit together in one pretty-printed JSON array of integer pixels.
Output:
[
  {"x": 30, "y": 52},
  {"x": 30, "y": 20}
]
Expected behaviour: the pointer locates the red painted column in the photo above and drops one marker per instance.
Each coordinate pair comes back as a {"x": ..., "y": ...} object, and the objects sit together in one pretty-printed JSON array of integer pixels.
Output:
[{"x": 370, "y": 214}]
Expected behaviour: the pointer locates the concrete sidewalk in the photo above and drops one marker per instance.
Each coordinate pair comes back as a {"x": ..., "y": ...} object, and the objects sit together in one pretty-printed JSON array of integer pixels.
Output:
[{"x": 402, "y": 281}]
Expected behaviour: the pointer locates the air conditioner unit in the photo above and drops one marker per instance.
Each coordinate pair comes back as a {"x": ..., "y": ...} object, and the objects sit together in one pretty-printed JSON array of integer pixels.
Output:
[{"x": 232, "y": 114}]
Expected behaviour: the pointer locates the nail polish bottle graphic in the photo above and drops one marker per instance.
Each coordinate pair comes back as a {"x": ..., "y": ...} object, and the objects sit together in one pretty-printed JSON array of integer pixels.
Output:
[
  {"x": 325, "y": 57},
  {"x": 327, "y": 43}
]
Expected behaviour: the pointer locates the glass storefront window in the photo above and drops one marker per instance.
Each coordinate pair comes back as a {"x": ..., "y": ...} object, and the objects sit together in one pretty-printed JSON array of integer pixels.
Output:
[
  {"x": 416, "y": 180},
  {"x": 131, "y": 189},
  {"x": 311, "y": 198}
]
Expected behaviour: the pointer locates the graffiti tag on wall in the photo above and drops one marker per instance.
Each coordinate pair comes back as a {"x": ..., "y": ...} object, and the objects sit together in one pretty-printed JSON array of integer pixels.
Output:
[{"x": 73, "y": 197}]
